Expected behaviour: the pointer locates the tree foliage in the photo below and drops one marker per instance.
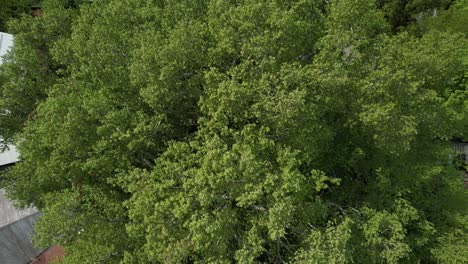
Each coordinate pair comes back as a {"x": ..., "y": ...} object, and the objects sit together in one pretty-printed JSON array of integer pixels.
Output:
[
  {"x": 12, "y": 9},
  {"x": 403, "y": 13},
  {"x": 247, "y": 131}
]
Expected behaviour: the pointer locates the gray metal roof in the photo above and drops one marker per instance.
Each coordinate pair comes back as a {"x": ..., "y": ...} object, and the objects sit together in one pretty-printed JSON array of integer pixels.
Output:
[
  {"x": 6, "y": 42},
  {"x": 16, "y": 225},
  {"x": 16, "y": 230},
  {"x": 16, "y": 246},
  {"x": 10, "y": 214},
  {"x": 11, "y": 155}
]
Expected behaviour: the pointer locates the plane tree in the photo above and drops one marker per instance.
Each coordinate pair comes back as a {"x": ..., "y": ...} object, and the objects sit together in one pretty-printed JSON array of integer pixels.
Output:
[{"x": 238, "y": 131}]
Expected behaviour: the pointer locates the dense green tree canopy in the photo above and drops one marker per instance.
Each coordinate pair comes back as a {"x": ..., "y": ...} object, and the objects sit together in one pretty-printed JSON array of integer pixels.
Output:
[
  {"x": 182, "y": 131},
  {"x": 11, "y": 9},
  {"x": 402, "y": 13}
]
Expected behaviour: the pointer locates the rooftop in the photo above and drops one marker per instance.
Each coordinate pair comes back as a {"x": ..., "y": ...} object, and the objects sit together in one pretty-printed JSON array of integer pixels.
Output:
[{"x": 6, "y": 42}]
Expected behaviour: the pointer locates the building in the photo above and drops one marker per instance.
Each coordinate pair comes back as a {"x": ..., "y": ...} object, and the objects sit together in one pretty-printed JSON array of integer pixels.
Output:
[
  {"x": 6, "y": 42},
  {"x": 17, "y": 225},
  {"x": 461, "y": 149}
]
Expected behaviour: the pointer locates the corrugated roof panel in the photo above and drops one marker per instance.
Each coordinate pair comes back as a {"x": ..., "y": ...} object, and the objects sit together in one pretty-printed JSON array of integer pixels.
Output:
[
  {"x": 11, "y": 155},
  {"x": 16, "y": 246},
  {"x": 6, "y": 42},
  {"x": 10, "y": 214},
  {"x": 16, "y": 225}
]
